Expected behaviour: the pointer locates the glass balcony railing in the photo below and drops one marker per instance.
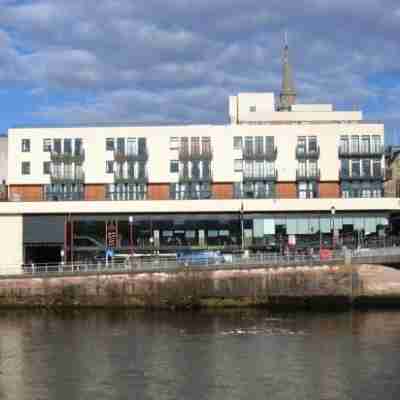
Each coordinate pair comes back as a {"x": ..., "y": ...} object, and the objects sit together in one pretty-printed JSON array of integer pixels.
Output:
[
  {"x": 308, "y": 175},
  {"x": 66, "y": 177},
  {"x": 68, "y": 157},
  {"x": 307, "y": 153},
  {"x": 355, "y": 152}
]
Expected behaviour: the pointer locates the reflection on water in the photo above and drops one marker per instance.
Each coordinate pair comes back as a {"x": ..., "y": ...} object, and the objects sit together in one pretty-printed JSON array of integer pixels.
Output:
[{"x": 204, "y": 355}]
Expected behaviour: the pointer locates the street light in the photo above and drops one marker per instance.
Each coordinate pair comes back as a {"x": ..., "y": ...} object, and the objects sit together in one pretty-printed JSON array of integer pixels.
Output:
[
  {"x": 242, "y": 224},
  {"x": 333, "y": 211},
  {"x": 130, "y": 219}
]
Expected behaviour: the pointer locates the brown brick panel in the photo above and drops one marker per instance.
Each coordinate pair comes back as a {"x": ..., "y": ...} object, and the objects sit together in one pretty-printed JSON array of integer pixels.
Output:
[
  {"x": 286, "y": 190},
  {"x": 222, "y": 190},
  {"x": 26, "y": 192},
  {"x": 329, "y": 190},
  {"x": 158, "y": 191},
  {"x": 95, "y": 192}
]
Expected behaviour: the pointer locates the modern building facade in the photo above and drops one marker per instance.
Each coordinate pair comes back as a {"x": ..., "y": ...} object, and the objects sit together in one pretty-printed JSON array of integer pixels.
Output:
[{"x": 277, "y": 171}]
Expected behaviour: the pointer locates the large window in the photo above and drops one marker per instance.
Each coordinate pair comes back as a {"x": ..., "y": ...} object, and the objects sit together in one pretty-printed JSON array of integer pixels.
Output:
[
  {"x": 344, "y": 144},
  {"x": 46, "y": 145},
  {"x": 355, "y": 168},
  {"x": 365, "y": 144},
  {"x": 110, "y": 144},
  {"x": 57, "y": 146},
  {"x": 366, "y": 167},
  {"x": 131, "y": 147},
  {"x": 25, "y": 168},
  {"x": 26, "y": 145},
  {"x": 237, "y": 143},
  {"x": 190, "y": 191},
  {"x": 67, "y": 146},
  {"x": 259, "y": 144},
  {"x": 46, "y": 167},
  {"x": 174, "y": 166},
  {"x": 109, "y": 167},
  {"x": 355, "y": 144}
]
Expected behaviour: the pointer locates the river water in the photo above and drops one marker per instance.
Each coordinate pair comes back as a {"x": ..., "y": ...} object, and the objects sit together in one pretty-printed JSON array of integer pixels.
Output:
[{"x": 203, "y": 355}]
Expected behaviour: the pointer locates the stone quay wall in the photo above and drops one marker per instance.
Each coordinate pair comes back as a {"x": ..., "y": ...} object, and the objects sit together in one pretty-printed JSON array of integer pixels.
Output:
[{"x": 189, "y": 288}]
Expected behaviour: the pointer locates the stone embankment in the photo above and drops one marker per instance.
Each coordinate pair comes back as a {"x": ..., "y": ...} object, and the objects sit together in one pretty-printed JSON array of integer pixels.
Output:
[{"x": 306, "y": 287}]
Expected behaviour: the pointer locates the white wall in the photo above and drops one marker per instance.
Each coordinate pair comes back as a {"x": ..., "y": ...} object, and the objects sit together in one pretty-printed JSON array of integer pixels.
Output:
[
  {"x": 11, "y": 244},
  {"x": 160, "y": 154}
]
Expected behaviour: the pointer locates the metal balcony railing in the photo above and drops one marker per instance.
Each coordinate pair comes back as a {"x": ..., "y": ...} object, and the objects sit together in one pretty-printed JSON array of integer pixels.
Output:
[
  {"x": 121, "y": 156},
  {"x": 185, "y": 177},
  {"x": 263, "y": 176},
  {"x": 306, "y": 153},
  {"x": 308, "y": 175},
  {"x": 186, "y": 154},
  {"x": 68, "y": 158},
  {"x": 77, "y": 177},
  {"x": 142, "y": 177},
  {"x": 372, "y": 152},
  {"x": 345, "y": 174},
  {"x": 268, "y": 154}
]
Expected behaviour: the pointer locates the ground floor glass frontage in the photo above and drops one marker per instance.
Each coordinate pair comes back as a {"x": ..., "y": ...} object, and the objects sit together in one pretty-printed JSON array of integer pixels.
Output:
[{"x": 89, "y": 236}]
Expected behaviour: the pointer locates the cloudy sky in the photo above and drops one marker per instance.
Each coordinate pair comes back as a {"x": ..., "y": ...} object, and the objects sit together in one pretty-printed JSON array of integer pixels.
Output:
[{"x": 86, "y": 61}]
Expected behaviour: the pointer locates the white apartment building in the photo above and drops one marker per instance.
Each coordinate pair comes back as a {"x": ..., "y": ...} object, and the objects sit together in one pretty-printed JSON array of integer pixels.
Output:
[{"x": 283, "y": 168}]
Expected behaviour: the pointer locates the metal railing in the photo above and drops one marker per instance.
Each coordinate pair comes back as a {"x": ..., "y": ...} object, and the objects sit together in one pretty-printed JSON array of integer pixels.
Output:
[{"x": 156, "y": 263}]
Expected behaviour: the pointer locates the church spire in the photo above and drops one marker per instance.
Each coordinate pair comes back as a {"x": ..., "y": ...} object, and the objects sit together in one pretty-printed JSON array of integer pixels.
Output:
[{"x": 288, "y": 92}]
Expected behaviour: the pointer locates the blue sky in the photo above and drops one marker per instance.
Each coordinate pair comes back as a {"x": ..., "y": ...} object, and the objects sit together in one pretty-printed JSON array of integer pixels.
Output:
[{"x": 88, "y": 61}]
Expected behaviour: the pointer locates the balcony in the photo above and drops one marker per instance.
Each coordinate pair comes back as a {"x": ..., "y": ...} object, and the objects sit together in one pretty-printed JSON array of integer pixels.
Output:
[
  {"x": 63, "y": 178},
  {"x": 345, "y": 175},
  {"x": 372, "y": 152},
  {"x": 77, "y": 157},
  {"x": 269, "y": 154},
  {"x": 195, "y": 154},
  {"x": 64, "y": 196},
  {"x": 307, "y": 154},
  {"x": 308, "y": 175},
  {"x": 256, "y": 177},
  {"x": 126, "y": 178},
  {"x": 184, "y": 177},
  {"x": 121, "y": 156}
]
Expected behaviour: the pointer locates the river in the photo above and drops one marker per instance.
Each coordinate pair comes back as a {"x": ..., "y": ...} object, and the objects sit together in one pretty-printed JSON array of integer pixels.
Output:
[{"x": 247, "y": 354}]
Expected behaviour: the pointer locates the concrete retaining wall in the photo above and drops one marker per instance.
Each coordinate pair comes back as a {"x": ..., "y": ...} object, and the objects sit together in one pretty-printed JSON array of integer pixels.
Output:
[{"x": 300, "y": 286}]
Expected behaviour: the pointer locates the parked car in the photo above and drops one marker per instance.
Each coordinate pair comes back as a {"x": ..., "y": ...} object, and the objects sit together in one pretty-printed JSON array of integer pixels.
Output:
[{"x": 199, "y": 257}]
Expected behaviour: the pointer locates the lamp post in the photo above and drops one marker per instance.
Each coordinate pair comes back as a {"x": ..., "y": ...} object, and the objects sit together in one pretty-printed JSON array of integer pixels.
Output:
[
  {"x": 333, "y": 211},
  {"x": 131, "y": 233},
  {"x": 242, "y": 224}
]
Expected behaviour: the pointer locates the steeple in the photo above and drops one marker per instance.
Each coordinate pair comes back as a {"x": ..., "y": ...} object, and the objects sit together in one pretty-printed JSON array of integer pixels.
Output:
[{"x": 288, "y": 92}]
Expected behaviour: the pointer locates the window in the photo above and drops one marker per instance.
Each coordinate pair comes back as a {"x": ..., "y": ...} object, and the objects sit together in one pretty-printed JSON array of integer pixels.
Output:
[
  {"x": 259, "y": 169},
  {"x": 195, "y": 169},
  {"x": 376, "y": 144},
  {"x": 68, "y": 171},
  {"x": 206, "y": 169},
  {"x": 248, "y": 145},
  {"x": 57, "y": 146},
  {"x": 110, "y": 144},
  {"x": 141, "y": 170},
  {"x": 269, "y": 144},
  {"x": 301, "y": 144},
  {"x": 174, "y": 166},
  {"x": 302, "y": 168},
  {"x": 142, "y": 146},
  {"x": 109, "y": 167},
  {"x": 365, "y": 144},
  {"x": 259, "y": 144},
  {"x": 377, "y": 169},
  {"x": 355, "y": 168},
  {"x": 26, "y": 168},
  {"x": 121, "y": 145},
  {"x": 366, "y": 167},
  {"x": 313, "y": 168},
  {"x": 355, "y": 144},
  {"x": 312, "y": 144},
  {"x": 248, "y": 168},
  {"x": 345, "y": 167},
  {"x": 67, "y": 146},
  {"x": 195, "y": 145},
  {"x": 270, "y": 169},
  {"x": 26, "y": 145},
  {"x": 131, "y": 146},
  {"x": 78, "y": 147},
  {"x": 252, "y": 108},
  {"x": 344, "y": 144},
  {"x": 46, "y": 168},
  {"x": 238, "y": 165},
  {"x": 237, "y": 143},
  {"x": 46, "y": 145},
  {"x": 174, "y": 143},
  {"x": 206, "y": 145},
  {"x": 131, "y": 170}
]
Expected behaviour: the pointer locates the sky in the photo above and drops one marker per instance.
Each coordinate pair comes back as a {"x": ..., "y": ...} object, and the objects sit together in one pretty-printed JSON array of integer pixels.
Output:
[{"x": 68, "y": 62}]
